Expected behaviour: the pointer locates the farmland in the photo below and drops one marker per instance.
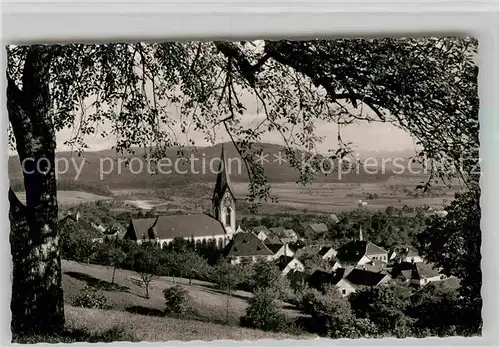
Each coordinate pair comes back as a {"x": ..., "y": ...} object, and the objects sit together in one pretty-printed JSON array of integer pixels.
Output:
[{"x": 293, "y": 197}]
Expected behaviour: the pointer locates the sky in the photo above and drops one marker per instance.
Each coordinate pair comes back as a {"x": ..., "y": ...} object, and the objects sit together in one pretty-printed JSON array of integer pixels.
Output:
[{"x": 365, "y": 137}]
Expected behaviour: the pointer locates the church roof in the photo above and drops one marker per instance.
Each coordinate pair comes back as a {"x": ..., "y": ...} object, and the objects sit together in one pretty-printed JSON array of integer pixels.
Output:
[
  {"x": 170, "y": 227},
  {"x": 223, "y": 181}
]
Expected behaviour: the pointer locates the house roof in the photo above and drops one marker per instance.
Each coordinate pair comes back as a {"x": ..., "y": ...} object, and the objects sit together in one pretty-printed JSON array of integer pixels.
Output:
[
  {"x": 333, "y": 217},
  {"x": 354, "y": 250},
  {"x": 317, "y": 227},
  {"x": 271, "y": 239},
  {"x": 246, "y": 244},
  {"x": 320, "y": 278},
  {"x": 365, "y": 278},
  {"x": 372, "y": 248},
  {"x": 289, "y": 233},
  {"x": 398, "y": 268},
  {"x": 406, "y": 274},
  {"x": 283, "y": 261},
  {"x": 375, "y": 266},
  {"x": 260, "y": 228},
  {"x": 413, "y": 252},
  {"x": 424, "y": 270},
  {"x": 141, "y": 226},
  {"x": 274, "y": 247},
  {"x": 449, "y": 283},
  {"x": 278, "y": 231},
  {"x": 324, "y": 250}
]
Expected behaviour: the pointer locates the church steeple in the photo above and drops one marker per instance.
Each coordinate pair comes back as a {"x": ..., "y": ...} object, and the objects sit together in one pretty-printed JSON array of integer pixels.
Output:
[
  {"x": 223, "y": 201},
  {"x": 223, "y": 182}
]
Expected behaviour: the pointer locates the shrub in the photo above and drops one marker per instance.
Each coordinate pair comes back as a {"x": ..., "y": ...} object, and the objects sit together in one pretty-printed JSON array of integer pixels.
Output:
[
  {"x": 177, "y": 300},
  {"x": 331, "y": 315},
  {"x": 264, "y": 312},
  {"x": 91, "y": 298}
]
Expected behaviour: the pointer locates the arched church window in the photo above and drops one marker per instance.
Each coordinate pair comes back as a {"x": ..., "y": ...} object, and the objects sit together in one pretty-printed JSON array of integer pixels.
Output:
[{"x": 228, "y": 217}]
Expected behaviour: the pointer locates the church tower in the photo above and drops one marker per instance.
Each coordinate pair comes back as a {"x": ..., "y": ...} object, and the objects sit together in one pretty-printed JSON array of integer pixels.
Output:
[{"x": 223, "y": 201}]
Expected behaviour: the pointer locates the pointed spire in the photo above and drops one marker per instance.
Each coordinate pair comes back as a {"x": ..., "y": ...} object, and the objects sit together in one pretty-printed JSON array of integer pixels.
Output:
[{"x": 222, "y": 183}]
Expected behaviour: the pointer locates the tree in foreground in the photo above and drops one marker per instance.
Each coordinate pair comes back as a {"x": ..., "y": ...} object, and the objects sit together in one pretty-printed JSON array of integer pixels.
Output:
[
  {"x": 386, "y": 308},
  {"x": 264, "y": 312},
  {"x": 267, "y": 277},
  {"x": 147, "y": 265},
  {"x": 425, "y": 86},
  {"x": 453, "y": 243},
  {"x": 227, "y": 278},
  {"x": 330, "y": 315},
  {"x": 116, "y": 258}
]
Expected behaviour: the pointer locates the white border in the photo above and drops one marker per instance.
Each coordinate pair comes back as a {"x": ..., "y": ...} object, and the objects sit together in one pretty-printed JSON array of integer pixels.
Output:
[{"x": 63, "y": 21}]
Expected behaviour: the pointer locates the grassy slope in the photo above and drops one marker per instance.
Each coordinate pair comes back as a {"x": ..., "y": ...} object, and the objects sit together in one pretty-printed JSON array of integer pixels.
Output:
[
  {"x": 127, "y": 296},
  {"x": 147, "y": 328}
]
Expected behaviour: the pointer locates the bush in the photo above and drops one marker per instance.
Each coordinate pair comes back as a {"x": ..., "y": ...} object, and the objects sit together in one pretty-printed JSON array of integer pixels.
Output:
[
  {"x": 177, "y": 300},
  {"x": 331, "y": 315},
  {"x": 91, "y": 298},
  {"x": 264, "y": 313}
]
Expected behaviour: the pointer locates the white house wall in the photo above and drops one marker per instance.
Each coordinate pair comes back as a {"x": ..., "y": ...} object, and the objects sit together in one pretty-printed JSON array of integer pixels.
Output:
[{"x": 218, "y": 238}]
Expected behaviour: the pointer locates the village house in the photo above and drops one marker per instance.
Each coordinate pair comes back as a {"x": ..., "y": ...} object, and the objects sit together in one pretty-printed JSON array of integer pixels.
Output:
[
  {"x": 280, "y": 249},
  {"x": 247, "y": 247},
  {"x": 319, "y": 279},
  {"x": 360, "y": 277},
  {"x": 74, "y": 222},
  {"x": 327, "y": 253},
  {"x": 219, "y": 226},
  {"x": 406, "y": 254},
  {"x": 313, "y": 229},
  {"x": 425, "y": 273},
  {"x": 262, "y": 232},
  {"x": 287, "y": 264},
  {"x": 284, "y": 235},
  {"x": 333, "y": 218},
  {"x": 359, "y": 252}
]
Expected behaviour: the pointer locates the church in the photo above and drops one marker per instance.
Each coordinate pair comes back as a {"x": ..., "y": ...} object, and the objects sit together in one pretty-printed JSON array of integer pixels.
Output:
[{"x": 219, "y": 225}]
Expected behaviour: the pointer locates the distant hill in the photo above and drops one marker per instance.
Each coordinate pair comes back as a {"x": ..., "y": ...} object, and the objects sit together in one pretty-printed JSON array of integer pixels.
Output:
[{"x": 115, "y": 176}]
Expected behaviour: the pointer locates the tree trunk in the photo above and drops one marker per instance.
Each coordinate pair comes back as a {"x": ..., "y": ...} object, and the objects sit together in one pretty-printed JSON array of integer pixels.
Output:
[
  {"x": 113, "y": 277},
  {"x": 189, "y": 280},
  {"x": 147, "y": 290},
  {"x": 37, "y": 297}
]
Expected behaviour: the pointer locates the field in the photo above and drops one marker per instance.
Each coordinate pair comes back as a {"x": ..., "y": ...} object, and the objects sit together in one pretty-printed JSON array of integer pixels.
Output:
[
  {"x": 128, "y": 296},
  {"x": 293, "y": 197},
  {"x": 70, "y": 197}
]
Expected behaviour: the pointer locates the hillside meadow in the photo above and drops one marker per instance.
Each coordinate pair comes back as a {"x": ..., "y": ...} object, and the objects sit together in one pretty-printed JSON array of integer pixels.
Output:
[{"x": 128, "y": 296}]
